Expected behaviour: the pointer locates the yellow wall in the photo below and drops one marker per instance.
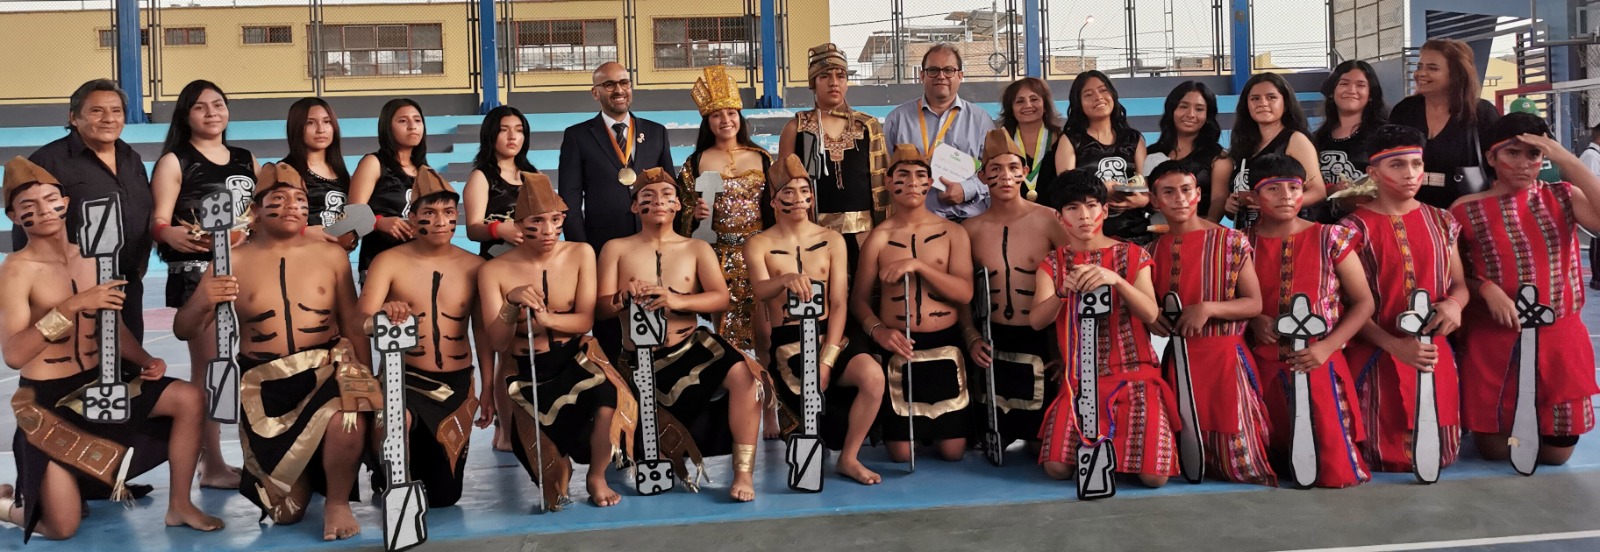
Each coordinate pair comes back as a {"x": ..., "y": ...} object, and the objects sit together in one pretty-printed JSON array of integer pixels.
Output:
[{"x": 70, "y": 51}]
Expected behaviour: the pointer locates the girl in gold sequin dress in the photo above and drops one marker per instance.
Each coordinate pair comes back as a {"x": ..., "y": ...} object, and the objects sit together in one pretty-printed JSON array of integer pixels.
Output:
[{"x": 724, "y": 147}]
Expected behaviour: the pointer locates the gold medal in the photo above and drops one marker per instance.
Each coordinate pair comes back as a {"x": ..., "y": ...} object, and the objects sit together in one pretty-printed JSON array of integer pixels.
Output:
[
  {"x": 1033, "y": 196},
  {"x": 627, "y": 177}
]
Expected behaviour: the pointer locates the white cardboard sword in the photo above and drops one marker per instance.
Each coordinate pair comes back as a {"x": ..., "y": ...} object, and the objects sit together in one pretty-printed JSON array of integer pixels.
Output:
[
  {"x": 1191, "y": 448},
  {"x": 405, "y": 510},
  {"x": 100, "y": 238},
  {"x": 646, "y": 330},
  {"x": 1300, "y": 325},
  {"x": 806, "y": 454},
  {"x": 1425, "y": 448},
  {"x": 222, "y": 373},
  {"x": 1097, "y": 458},
  {"x": 1525, "y": 425}
]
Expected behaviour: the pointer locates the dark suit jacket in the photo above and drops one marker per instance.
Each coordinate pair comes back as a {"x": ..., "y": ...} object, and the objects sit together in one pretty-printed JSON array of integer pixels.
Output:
[{"x": 587, "y": 178}]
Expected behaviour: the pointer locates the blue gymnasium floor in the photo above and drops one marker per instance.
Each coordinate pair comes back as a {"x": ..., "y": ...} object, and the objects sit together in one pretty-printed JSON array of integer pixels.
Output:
[{"x": 499, "y": 495}]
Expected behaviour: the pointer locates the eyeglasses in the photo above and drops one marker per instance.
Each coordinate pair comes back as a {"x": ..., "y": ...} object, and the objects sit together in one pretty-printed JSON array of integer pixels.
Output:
[
  {"x": 937, "y": 71},
  {"x": 613, "y": 85}
]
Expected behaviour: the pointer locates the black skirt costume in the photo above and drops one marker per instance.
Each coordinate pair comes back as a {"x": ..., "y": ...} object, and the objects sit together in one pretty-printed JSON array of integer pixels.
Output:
[
  {"x": 788, "y": 378},
  {"x": 201, "y": 177},
  {"x": 1023, "y": 387},
  {"x": 442, "y": 407},
  {"x": 51, "y": 428},
  {"x": 942, "y": 399},
  {"x": 391, "y": 197},
  {"x": 575, "y": 382},
  {"x": 1114, "y": 162}
]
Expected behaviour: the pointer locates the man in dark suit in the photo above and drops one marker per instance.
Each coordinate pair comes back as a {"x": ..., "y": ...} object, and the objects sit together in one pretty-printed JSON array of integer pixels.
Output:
[{"x": 594, "y": 156}]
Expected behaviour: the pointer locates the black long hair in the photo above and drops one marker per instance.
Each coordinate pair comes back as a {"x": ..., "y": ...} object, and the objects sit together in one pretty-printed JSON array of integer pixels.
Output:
[
  {"x": 486, "y": 160},
  {"x": 1247, "y": 132},
  {"x": 1208, "y": 142},
  {"x": 179, "y": 132},
  {"x": 388, "y": 150},
  {"x": 1373, "y": 115},
  {"x": 1078, "y": 121},
  {"x": 299, "y": 113}
]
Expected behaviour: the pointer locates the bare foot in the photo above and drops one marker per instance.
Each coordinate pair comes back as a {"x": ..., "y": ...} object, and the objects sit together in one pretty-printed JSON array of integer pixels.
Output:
[
  {"x": 502, "y": 441},
  {"x": 600, "y": 494},
  {"x": 7, "y": 491},
  {"x": 226, "y": 479},
  {"x": 338, "y": 522},
  {"x": 769, "y": 424},
  {"x": 743, "y": 490},
  {"x": 189, "y": 515},
  {"x": 853, "y": 469}
]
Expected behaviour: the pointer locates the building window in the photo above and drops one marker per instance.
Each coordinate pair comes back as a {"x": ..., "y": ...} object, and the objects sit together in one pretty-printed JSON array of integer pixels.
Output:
[
  {"x": 366, "y": 50},
  {"x": 268, "y": 35},
  {"x": 189, "y": 36},
  {"x": 702, "y": 41},
  {"x": 108, "y": 38},
  {"x": 562, "y": 45}
]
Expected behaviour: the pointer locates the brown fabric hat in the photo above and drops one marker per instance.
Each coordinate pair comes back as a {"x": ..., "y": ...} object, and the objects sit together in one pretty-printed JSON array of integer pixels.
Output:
[
  {"x": 653, "y": 175},
  {"x": 996, "y": 144},
  {"x": 786, "y": 170},
  {"x": 272, "y": 176},
  {"x": 906, "y": 153},
  {"x": 428, "y": 182},
  {"x": 21, "y": 172},
  {"x": 537, "y": 197},
  {"x": 823, "y": 58}
]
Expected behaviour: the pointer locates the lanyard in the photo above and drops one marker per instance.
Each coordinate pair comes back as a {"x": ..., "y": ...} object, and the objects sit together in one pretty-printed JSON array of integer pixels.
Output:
[
  {"x": 1038, "y": 153},
  {"x": 922, "y": 124},
  {"x": 625, "y": 158}
]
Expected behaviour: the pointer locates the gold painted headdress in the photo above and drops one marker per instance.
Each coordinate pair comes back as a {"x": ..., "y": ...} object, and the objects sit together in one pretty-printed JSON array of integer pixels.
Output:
[{"x": 715, "y": 90}]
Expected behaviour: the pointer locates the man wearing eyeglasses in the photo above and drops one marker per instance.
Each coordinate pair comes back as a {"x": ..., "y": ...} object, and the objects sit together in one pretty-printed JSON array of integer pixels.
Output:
[
  {"x": 941, "y": 116},
  {"x": 600, "y": 159}
]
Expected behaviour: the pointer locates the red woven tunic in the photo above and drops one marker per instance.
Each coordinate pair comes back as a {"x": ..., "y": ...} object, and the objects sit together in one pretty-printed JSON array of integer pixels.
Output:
[
  {"x": 1527, "y": 236},
  {"x": 1204, "y": 266},
  {"x": 1402, "y": 253},
  {"x": 1137, "y": 409},
  {"x": 1305, "y": 263}
]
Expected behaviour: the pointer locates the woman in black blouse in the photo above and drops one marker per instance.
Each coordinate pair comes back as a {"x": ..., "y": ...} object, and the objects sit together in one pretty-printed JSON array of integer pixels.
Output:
[
  {"x": 313, "y": 132},
  {"x": 1097, "y": 134},
  {"x": 1191, "y": 133},
  {"x": 1447, "y": 108},
  {"x": 1030, "y": 119},
  {"x": 1269, "y": 120},
  {"x": 383, "y": 179},
  {"x": 1352, "y": 104},
  {"x": 491, "y": 192}
]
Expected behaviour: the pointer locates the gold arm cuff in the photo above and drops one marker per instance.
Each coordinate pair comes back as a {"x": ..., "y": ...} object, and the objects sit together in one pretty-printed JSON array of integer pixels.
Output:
[
  {"x": 744, "y": 458},
  {"x": 54, "y": 325},
  {"x": 367, "y": 327},
  {"x": 853, "y": 222},
  {"x": 830, "y": 355}
]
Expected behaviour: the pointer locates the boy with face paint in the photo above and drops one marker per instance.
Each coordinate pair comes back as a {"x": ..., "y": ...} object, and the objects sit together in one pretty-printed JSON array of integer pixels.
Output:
[
  {"x": 1138, "y": 411},
  {"x": 786, "y": 259},
  {"x": 935, "y": 253},
  {"x": 1009, "y": 241},
  {"x": 48, "y": 310},
  {"x": 295, "y": 299},
  {"x": 1405, "y": 245},
  {"x": 1295, "y": 256},
  {"x": 1212, "y": 269},
  {"x": 1525, "y": 231},
  {"x": 578, "y": 389},
  {"x": 436, "y": 282},
  {"x": 662, "y": 270}
]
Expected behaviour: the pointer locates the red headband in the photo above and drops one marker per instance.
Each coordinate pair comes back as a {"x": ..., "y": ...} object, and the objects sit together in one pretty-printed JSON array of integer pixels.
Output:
[
  {"x": 1501, "y": 145},
  {"x": 1394, "y": 152},
  {"x": 1279, "y": 180}
]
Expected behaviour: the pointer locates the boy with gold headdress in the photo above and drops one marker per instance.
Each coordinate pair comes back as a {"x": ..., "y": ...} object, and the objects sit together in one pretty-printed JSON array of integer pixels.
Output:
[
  {"x": 584, "y": 411},
  {"x": 437, "y": 282},
  {"x": 44, "y": 321},
  {"x": 304, "y": 387},
  {"x": 662, "y": 270}
]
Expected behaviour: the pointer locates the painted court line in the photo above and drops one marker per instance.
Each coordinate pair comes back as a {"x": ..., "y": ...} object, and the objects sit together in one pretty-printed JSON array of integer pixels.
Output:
[{"x": 1435, "y": 545}]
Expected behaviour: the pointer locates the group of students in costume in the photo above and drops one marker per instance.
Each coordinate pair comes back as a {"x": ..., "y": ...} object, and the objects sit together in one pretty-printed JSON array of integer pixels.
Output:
[{"x": 947, "y": 315}]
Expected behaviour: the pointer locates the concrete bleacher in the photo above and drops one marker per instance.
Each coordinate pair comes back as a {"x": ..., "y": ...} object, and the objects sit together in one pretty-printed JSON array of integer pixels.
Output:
[{"x": 453, "y": 139}]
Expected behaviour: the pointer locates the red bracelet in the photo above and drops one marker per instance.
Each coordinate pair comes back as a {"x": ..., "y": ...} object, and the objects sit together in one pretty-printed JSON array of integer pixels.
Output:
[
  {"x": 494, "y": 230},
  {"x": 1452, "y": 299},
  {"x": 376, "y": 218}
]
